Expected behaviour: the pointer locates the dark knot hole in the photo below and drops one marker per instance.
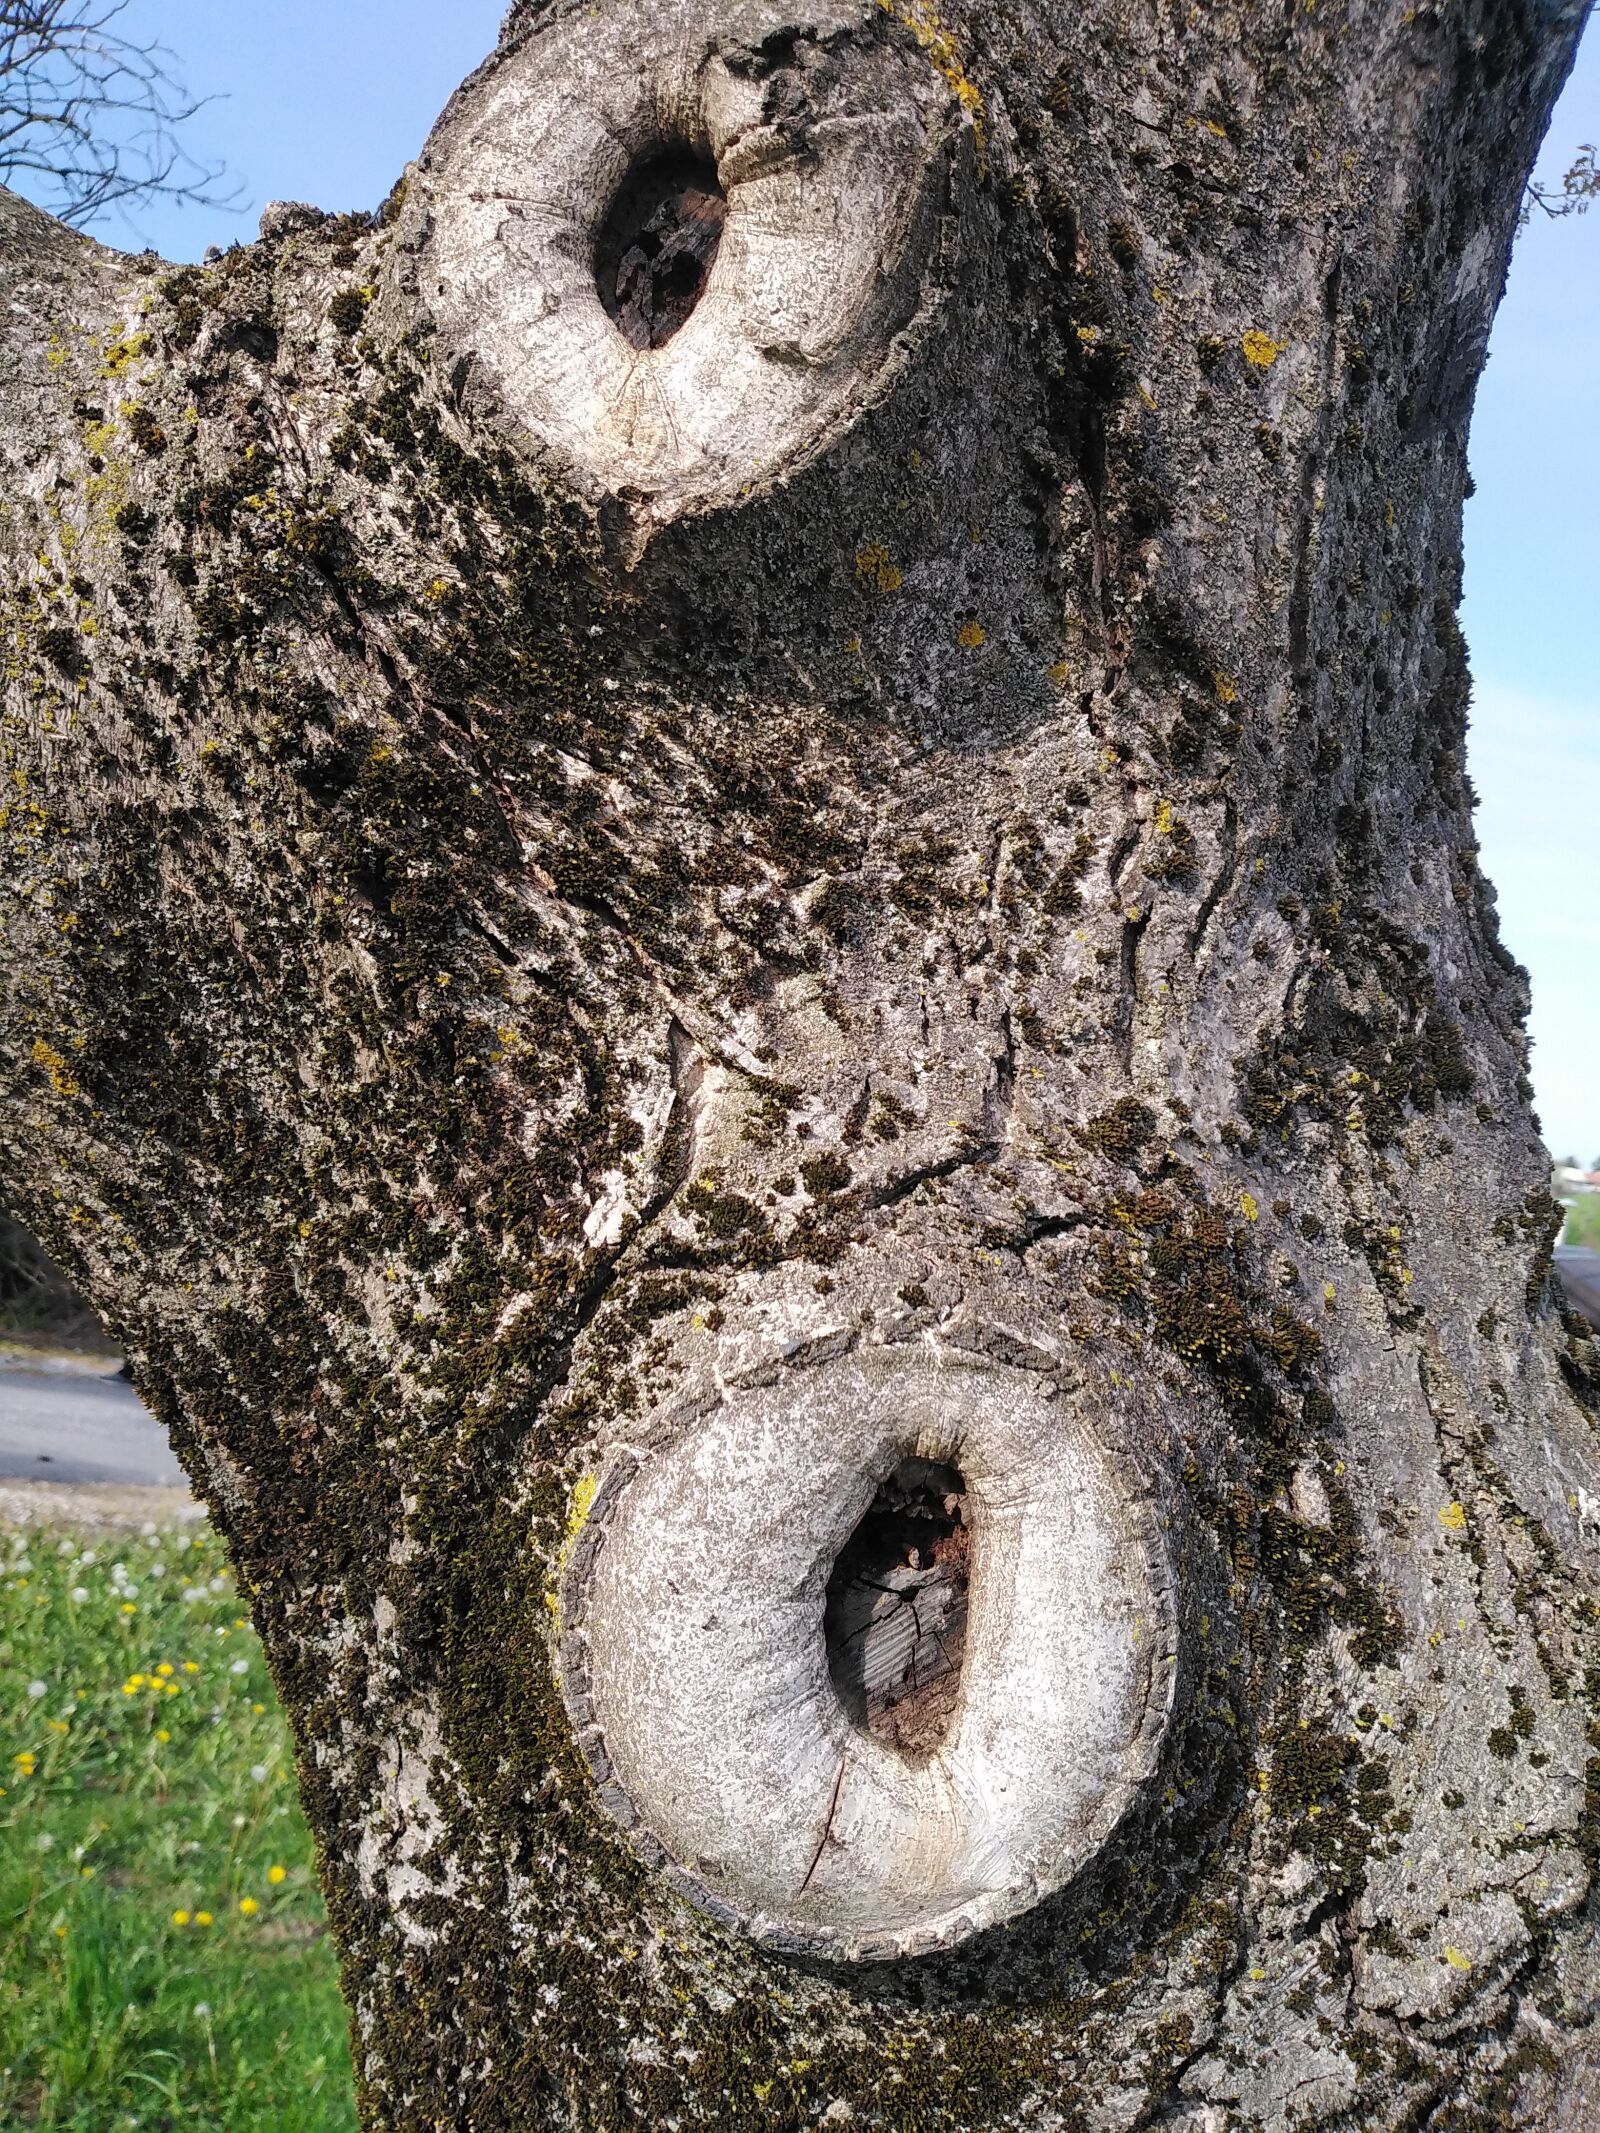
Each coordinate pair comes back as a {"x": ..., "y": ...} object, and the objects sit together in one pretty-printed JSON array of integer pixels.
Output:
[
  {"x": 657, "y": 245},
  {"x": 895, "y": 1620}
]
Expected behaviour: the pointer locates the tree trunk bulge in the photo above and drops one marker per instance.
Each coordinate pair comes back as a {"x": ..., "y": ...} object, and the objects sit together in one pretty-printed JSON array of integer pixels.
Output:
[{"x": 748, "y": 828}]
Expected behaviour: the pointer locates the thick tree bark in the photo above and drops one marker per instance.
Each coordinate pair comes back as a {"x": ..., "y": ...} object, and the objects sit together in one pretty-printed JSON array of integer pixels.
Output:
[{"x": 639, "y": 892}]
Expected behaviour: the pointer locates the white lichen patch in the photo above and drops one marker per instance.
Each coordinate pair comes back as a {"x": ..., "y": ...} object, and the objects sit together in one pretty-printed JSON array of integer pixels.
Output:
[{"x": 404, "y": 1827}]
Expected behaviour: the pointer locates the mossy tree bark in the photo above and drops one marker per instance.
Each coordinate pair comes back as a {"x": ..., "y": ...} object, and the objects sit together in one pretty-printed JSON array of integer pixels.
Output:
[{"x": 569, "y": 899}]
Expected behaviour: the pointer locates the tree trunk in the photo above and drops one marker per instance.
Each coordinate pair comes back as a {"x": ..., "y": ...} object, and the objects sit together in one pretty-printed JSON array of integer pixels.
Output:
[{"x": 743, "y": 943}]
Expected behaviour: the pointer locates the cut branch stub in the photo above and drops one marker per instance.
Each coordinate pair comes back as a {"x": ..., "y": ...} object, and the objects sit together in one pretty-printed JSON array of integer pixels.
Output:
[
  {"x": 675, "y": 250},
  {"x": 731, "y": 1743}
]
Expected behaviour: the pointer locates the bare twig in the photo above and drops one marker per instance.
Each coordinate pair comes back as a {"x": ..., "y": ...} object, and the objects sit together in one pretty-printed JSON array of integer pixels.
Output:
[
  {"x": 88, "y": 117},
  {"x": 1575, "y": 195}
]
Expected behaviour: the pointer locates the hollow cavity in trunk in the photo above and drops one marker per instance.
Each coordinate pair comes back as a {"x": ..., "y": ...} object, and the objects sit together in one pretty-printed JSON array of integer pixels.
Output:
[
  {"x": 658, "y": 243},
  {"x": 895, "y": 1621}
]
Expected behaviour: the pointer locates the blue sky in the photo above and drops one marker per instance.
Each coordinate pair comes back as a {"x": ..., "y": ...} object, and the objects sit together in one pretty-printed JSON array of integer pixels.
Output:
[
  {"x": 1532, "y": 618},
  {"x": 327, "y": 103}
]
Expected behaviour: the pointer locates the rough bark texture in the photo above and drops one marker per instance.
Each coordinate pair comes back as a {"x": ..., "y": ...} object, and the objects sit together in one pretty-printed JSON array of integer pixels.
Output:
[{"x": 507, "y": 966}]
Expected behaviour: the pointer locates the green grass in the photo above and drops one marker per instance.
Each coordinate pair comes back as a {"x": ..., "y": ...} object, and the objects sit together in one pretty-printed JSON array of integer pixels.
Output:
[
  {"x": 164, "y": 1961},
  {"x": 1583, "y": 1221}
]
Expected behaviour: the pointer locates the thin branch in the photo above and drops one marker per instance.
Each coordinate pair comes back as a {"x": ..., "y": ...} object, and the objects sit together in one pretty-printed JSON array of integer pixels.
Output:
[
  {"x": 94, "y": 114},
  {"x": 1575, "y": 195}
]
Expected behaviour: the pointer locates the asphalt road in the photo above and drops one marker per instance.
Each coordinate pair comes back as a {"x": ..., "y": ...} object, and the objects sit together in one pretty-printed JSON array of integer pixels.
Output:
[
  {"x": 1579, "y": 1271},
  {"x": 60, "y": 1422}
]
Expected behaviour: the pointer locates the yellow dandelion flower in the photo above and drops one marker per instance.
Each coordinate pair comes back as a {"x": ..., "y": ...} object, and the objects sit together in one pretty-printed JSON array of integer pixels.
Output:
[
  {"x": 163, "y": 1735},
  {"x": 190, "y": 1666},
  {"x": 203, "y": 1918},
  {"x": 180, "y": 1918},
  {"x": 164, "y": 1669},
  {"x": 130, "y": 1607},
  {"x": 248, "y": 1906},
  {"x": 276, "y": 1874}
]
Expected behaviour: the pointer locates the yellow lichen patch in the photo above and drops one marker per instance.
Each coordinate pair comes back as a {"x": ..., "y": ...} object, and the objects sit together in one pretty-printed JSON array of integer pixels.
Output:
[
  {"x": 583, "y": 1497},
  {"x": 121, "y": 354},
  {"x": 1164, "y": 818},
  {"x": 55, "y": 1066},
  {"x": 1455, "y": 1958},
  {"x": 921, "y": 19},
  {"x": 1249, "y": 1207},
  {"x": 1453, "y": 1518},
  {"x": 875, "y": 566},
  {"x": 971, "y": 635},
  {"x": 1060, "y": 673},
  {"x": 582, "y": 1504},
  {"x": 1260, "y": 349},
  {"x": 1226, "y": 687}
]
